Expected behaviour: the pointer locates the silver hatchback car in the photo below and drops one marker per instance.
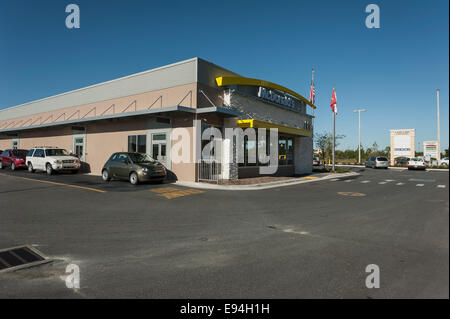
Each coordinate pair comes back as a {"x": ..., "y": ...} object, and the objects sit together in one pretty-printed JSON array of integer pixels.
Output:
[{"x": 377, "y": 162}]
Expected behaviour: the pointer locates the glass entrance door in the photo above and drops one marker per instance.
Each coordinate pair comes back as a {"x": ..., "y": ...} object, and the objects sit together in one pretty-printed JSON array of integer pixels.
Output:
[
  {"x": 78, "y": 147},
  {"x": 159, "y": 147}
]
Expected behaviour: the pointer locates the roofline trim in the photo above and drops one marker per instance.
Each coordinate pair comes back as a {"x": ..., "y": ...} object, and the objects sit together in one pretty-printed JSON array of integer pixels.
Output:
[{"x": 103, "y": 83}]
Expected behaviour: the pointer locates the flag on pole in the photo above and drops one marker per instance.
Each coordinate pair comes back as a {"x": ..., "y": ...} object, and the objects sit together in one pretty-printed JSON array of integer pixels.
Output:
[
  {"x": 334, "y": 102},
  {"x": 312, "y": 90},
  {"x": 312, "y": 94}
]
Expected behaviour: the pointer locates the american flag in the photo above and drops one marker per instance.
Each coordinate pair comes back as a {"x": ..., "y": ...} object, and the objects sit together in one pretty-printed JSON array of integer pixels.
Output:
[{"x": 312, "y": 94}]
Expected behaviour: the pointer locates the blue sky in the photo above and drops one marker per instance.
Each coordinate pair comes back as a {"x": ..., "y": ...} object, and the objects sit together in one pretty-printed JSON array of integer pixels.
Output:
[{"x": 393, "y": 71}]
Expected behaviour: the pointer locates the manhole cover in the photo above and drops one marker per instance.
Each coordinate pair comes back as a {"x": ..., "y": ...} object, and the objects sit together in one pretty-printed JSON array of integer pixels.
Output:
[{"x": 16, "y": 258}]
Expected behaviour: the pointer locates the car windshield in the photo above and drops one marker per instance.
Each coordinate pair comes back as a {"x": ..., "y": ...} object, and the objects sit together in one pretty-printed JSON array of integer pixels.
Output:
[
  {"x": 141, "y": 158},
  {"x": 384, "y": 159},
  {"x": 414, "y": 159},
  {"x": 56, "y": 152},
  {"x": 19, "y": 152}
]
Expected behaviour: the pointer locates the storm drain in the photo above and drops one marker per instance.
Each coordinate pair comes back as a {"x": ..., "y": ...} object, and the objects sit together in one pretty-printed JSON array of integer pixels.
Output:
[{"x": 16, "y": 258}]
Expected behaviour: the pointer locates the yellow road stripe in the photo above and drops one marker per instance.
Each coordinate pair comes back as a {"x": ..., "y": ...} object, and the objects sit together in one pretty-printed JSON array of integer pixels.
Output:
[
  {"x": 55, "y": 183},
  {"x": 310, "y": 177}
]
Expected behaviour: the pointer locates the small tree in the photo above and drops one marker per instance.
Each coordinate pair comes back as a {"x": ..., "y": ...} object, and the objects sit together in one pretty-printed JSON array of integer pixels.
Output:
[{"x": 324, "y": 142}]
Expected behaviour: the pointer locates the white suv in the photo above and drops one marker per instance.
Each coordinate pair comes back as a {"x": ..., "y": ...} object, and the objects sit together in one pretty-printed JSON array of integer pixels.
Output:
[{"x": 51, "y": 159}]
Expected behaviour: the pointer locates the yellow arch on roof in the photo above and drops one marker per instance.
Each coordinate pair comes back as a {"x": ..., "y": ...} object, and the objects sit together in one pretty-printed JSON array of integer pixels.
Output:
[{"x": 238, "y": 80}]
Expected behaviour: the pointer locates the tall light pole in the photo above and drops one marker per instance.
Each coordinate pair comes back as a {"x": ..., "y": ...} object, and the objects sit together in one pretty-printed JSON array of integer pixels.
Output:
[
  {"x": 359, "y": 133},
  {"x": 438, "y": 131}
]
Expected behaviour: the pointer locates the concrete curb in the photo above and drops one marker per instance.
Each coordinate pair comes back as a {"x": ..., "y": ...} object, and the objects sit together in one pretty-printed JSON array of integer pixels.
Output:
[
  {"x": 263, "y": 185},
  {"x": 398, "y": 168}
]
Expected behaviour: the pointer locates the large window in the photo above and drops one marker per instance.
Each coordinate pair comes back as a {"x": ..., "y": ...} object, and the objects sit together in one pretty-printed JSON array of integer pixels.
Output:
[
  {"x": 212, "y": 151},
  {"x": 285, "y": 150},
  {"x": 137, "y": 143}
]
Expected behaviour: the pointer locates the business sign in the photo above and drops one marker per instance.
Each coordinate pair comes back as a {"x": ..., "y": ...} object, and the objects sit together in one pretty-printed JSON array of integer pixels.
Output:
[
  {"x": 274, "y": 97},
  {"x": 402, "y": 143},
  {"x": 430, "y": 149}
]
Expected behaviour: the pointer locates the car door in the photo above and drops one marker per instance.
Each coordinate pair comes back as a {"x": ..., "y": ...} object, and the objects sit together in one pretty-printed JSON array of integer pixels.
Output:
[
  {"x": 38, "y": 159},
  {"x": 7, "y": 158},
  {"x": 123, "y": 164}
]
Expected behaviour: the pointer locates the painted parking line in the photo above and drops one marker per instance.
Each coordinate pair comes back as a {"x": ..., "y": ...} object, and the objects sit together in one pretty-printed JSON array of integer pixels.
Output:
[
  {"x": 420, "y": 185},
  {"x": 389, "y": 180},
  {"x": 172, "y": 192},
  {"x": 382, "y": 183},
  {"x": 335, "y": 179},
  {"x": 365, "y": 182},
  {"x": 56, "y": 183},
  {"x": 164, "y": 190},
  {"x": 441, "y": 186},
  {"x": 348, "y": 180},
  {"x": 352, "y": 194},
  {"x": 400, "y": 184}
]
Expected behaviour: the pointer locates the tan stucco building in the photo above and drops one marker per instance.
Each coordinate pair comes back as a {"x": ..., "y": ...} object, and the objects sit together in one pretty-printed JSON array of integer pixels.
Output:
[{"x": 140, "y": 112}]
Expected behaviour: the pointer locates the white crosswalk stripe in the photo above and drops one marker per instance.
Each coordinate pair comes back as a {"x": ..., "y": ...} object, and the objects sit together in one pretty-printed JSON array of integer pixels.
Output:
[
  {"x": 400, "y": 184},
  {"x": 441, "y": 186},
  {"x": 420, "y": 185},
  {"x": 365, "y": 182},
  {"x": 382, "y": 183},
  {"x": 389, "y": 180}
]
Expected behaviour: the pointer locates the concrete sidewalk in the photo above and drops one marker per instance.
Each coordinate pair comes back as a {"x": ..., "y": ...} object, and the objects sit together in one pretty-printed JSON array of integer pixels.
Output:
[{"x": 252, "y": 187}]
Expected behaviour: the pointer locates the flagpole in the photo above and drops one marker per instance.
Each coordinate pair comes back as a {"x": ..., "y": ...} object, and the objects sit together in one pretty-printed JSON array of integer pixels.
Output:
[
  {"x": 334, "y": 138},
  {"x": 310, "y": 89}
]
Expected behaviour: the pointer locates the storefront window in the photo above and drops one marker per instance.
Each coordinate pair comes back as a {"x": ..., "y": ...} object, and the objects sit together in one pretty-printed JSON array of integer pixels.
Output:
[
  {"x": 213, "y": 151},
  {"x": 285, "y": 151},
  {"x": 290, "y": 151},
  {"x": 137, "y": 143}
]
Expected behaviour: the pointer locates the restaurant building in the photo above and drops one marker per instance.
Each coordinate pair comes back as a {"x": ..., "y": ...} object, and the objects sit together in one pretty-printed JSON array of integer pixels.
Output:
[{"x": 144, "y": 112}]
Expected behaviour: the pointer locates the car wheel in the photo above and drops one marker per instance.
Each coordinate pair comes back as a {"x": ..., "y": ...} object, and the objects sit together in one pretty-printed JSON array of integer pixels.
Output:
[
  {"x": 1, "y": 165},
  {"x": 49, "y": 169},
  {"x": 30, "y": 168},
  {"x": 105, "y": 175},
  {"x": 134, "y": 178},
  {"x": 13, "y": 166}
]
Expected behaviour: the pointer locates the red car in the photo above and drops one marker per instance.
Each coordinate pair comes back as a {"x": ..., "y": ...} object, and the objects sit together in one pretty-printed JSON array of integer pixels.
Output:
[{"x": 13, "y": 158}]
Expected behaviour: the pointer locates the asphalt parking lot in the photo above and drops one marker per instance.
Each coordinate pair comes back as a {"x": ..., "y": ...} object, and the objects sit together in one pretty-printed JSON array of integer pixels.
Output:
[{"x": 166, "y": 241}]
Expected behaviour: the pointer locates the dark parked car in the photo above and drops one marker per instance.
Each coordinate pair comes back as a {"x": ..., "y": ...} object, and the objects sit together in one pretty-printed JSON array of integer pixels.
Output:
[
  {"x": 402, "y": 161},
  {"x": 135, "y": 167},
  {"x": 316, "y": 161},
  {"x": 13, "y": 158}
]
